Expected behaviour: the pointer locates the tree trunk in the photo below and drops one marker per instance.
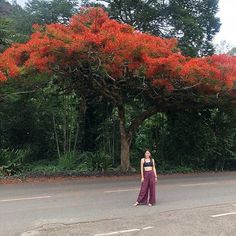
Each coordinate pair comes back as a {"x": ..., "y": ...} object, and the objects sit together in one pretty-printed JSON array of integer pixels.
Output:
[
  {"x": 125, "y": 141},
  {"x": 125, "y": 148},
  {"x": 126, "y": 134}
]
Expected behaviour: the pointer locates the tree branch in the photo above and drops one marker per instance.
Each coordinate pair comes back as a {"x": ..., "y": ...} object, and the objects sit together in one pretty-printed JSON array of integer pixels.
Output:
[{"x": 139, "y": 119}]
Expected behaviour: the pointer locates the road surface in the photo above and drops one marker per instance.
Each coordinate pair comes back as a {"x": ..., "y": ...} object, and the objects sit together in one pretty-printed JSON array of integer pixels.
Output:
[{"x": 199, "y": 204}]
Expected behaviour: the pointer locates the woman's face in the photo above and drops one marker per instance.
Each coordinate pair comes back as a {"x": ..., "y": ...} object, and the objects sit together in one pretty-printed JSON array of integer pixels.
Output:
[{"x": 147, "y": 154}]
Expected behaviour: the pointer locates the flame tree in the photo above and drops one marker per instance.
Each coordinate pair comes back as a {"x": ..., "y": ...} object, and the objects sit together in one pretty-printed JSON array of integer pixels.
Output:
[{"x": 121, "y": 66}]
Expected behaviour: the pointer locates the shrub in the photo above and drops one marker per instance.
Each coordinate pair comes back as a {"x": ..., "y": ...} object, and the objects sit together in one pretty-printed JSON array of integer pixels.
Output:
[{"x": 67, "y": 161}]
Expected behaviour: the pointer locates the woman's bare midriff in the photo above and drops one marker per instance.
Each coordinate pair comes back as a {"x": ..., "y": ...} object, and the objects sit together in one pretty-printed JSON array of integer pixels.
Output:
[{"x": 148, "y": 168}]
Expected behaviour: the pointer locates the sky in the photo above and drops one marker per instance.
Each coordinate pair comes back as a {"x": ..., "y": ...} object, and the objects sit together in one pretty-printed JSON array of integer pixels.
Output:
[{"x": 227, "y": 14}]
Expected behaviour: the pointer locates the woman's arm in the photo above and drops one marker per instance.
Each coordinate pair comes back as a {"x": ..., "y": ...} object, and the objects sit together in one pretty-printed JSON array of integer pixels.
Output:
[
  {"x": 154, "y": 169},
  {"x": 141, "y": 166}
]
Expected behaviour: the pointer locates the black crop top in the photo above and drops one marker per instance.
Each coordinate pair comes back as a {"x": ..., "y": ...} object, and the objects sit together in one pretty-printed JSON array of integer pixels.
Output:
[{"x": 148, "y": 164}]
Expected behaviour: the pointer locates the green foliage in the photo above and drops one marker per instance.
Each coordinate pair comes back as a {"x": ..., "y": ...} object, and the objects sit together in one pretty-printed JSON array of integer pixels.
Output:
[
  {"x": 108, "y": 139},
  {"x": 41, "y": 167},
  {"x": 64, "y": 113},
  {"x": 67, "y": 161},
  {"x": 11, "y": 161},
  {"x": 194, "y": 23},
  {"x": 168, "y": 169},
  {"x": 99, "y": 161},
  {"x": 149, "y": 136},
  {"x": 53, "y": 11},
  {"x": 94, "y": 116},
  {"x": 23, "y": 123},
  {"x": 141, "y": 14},
  {"x": 232, "y": 51},
  {"x": 197, "y": 140},
  {"x": 20, "y": 20},
  {"x": 20, "y": 23},
  {"x": 4, "y": 34}
]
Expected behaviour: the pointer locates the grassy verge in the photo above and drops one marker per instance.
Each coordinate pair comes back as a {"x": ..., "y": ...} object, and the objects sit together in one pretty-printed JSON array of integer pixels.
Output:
[{"x": 53, "y": 169}]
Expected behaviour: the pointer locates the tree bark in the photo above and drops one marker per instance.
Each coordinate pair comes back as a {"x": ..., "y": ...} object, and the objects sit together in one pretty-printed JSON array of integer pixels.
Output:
[
  {"x": 125, "y": 141},
  {"x": 127, "y": 134},
  {"x": 125, "y": 149}
]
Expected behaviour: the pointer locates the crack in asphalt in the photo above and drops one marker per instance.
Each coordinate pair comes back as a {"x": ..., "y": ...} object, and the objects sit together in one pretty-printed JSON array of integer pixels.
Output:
[{"x": 56, "y": 225}]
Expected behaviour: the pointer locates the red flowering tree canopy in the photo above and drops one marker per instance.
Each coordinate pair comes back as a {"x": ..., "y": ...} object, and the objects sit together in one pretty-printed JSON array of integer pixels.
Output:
[{"x": 114, "y": 52}]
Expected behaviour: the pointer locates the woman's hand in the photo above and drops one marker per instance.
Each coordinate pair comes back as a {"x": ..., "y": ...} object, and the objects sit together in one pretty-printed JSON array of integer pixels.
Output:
[
  {"x": 142, "y": 179},
  {"x": 155, "y": 179}
]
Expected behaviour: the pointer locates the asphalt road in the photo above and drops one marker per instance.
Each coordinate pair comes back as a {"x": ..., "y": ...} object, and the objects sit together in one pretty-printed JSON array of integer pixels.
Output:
[{"x": 202, "y": 204}]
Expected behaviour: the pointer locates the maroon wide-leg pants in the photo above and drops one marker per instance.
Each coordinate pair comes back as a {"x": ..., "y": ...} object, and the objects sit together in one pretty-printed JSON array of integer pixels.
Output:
[{"x": 147, "y": 188}]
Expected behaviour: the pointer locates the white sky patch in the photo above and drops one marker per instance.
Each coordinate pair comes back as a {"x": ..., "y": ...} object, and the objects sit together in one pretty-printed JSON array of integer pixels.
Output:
[{"x": 228, "y": 22}]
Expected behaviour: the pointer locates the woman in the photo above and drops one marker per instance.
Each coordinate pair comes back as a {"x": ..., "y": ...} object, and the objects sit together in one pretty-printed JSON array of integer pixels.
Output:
[{"x": 148, "y": 179}]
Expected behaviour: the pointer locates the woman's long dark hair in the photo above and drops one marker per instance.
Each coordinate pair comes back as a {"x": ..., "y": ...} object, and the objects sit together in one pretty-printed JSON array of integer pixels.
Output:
[{"x": 148, "y": 150}]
